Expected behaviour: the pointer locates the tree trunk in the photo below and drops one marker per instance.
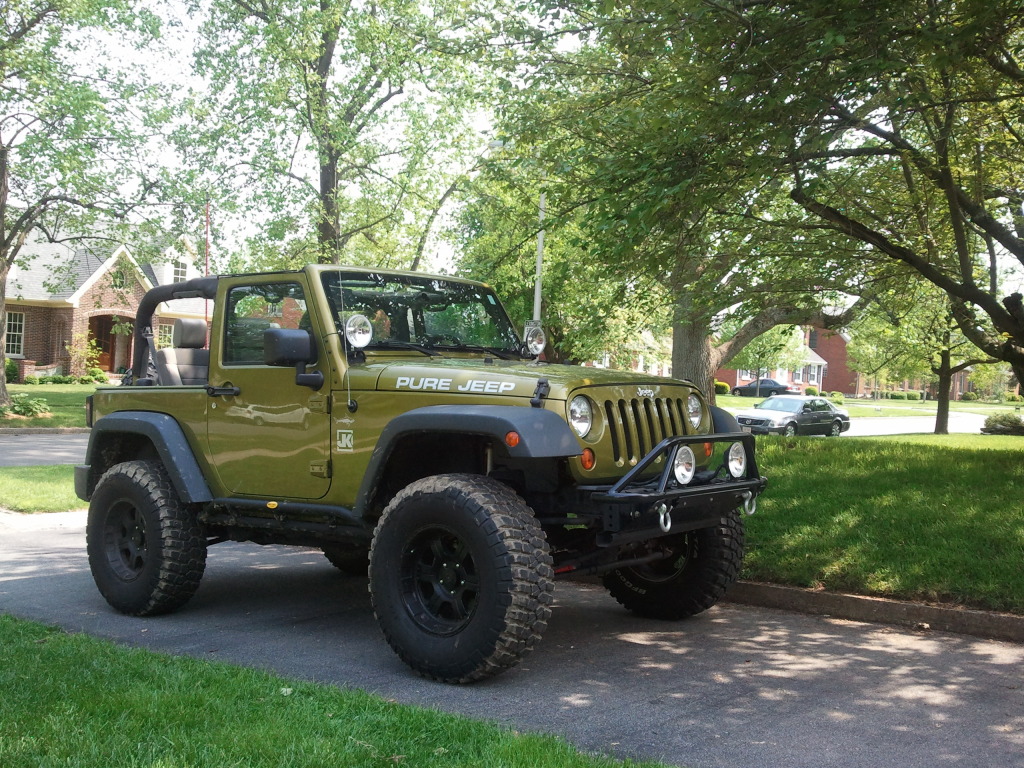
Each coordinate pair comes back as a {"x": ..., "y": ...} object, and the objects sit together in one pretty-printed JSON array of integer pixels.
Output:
[
  {"x": 945, "y": 374},
  {"x": 694, "y": 357},
  {"x": 327, "y": 227}
]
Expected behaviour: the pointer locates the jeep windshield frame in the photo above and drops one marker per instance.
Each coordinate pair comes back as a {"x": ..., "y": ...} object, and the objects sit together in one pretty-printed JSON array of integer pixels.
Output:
[{"x": 421, "y": 311}]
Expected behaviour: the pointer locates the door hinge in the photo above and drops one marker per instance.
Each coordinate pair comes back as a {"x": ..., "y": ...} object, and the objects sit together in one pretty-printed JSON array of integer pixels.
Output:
[
  {"x": 320, "y": 468},
  {"x": 320, "y": 404}
]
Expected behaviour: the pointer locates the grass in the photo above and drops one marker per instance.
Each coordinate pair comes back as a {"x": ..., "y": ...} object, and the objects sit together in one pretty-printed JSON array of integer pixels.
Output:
[
  {"x": 922, "y": 517},
  {"x": 71, "y": 700},
  {"x": 875, "y": 408},
  {"x": 66, "y": 405},
  {"x": 39, "y": 489}
]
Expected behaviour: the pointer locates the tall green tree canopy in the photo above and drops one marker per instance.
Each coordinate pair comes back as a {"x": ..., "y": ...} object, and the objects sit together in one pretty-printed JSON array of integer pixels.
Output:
[
  {"x": 72, "y": 128},
  {"x": 331, "y": 117}
]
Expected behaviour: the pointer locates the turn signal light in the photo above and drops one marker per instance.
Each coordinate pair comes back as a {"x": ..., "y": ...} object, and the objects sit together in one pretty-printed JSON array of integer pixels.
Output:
[
  {"x": 709, "y": 448},
  {"x": 512, "y": 439},
  {"x": 588, "y": 459}
]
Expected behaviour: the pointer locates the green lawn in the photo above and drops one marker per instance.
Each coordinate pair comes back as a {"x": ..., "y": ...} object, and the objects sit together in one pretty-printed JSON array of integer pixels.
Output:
[
  {"x": 921, "y": 517},
  {"x": 870, "y": 408},
  {"x": 72, "y": 700},
  {"x": 39, "y": 489},
  {"x": 66, "y": 405}
]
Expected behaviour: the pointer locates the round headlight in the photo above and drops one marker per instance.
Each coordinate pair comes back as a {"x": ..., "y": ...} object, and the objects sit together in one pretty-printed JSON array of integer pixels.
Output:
[
  {"x": 684, "y": 465},
  {"x": 358, "y": 331},
  {"x": 736, "y": 460},
  {"x": 694, "y": 410},
  {"x": 581, "y": 415}
]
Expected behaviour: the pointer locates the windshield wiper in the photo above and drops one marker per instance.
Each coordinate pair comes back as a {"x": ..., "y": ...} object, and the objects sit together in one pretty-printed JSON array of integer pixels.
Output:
[
  {"x": 394, "y": 344},
  {"x": 503, "y": 354}
]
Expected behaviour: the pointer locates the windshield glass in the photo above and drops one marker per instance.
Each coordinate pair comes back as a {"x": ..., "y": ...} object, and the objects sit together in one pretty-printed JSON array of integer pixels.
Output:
[
  {"x": 787, "y": 404},
  {"x": 426, "y": 311}
]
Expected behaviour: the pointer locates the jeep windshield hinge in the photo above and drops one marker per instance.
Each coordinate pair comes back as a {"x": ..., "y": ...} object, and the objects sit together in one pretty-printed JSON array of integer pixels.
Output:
[{"x": 541, "y": 392}]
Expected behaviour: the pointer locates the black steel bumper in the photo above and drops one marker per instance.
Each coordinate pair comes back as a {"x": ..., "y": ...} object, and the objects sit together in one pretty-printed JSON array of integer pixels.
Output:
[{"x": 648, "y": 502}]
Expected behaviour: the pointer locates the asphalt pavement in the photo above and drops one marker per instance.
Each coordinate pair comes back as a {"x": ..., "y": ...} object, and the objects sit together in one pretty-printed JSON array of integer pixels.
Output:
[{"x": 735, "y": 687}]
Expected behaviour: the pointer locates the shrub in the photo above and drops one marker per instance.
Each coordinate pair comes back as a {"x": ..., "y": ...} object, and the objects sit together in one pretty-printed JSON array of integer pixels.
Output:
[
  {"x": 721, "y": 388},
  {"x": 913, "y": 395},
  {"x": 968, "y": 396},
  {"x": 1012, "y": 398},
  {"x": 1004, "y": 423},
  {"x": 23, "y": 405},
  {"x": 812, "y": 391},
  {"x": 836, "y": 397},
  {"x": 94, "y": 372},
  {"x": 86, "y": 380},
  {"x": 10, "y": 371},
  {"x": 31, "y": 380},
  {"x": 898, "y": 396},
  {"x": 100, "y": 378}
]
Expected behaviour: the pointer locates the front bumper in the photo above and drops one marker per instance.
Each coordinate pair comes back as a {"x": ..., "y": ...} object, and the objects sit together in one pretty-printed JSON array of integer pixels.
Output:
[{"x": 649, "y": 503}]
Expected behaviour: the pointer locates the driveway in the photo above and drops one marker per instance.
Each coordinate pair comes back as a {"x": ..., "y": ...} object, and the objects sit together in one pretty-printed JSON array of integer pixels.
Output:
[
  {"x": 737, "y": 686},
  {"x": 36, "y": 449}
]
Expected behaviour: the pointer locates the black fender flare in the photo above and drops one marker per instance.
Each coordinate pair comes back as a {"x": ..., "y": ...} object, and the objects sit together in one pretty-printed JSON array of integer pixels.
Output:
[
  {"x": 542, "y": 434},
  {"x": 723, "y": 421},
  {"x": 167, "y": 437}
]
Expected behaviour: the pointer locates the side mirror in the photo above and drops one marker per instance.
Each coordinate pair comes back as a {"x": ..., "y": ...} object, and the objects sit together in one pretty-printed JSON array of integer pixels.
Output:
[{"x": 286, "y": 347}]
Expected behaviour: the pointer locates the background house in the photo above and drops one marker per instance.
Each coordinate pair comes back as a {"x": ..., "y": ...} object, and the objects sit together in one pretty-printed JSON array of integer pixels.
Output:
[{"x": 58, "y": 296}]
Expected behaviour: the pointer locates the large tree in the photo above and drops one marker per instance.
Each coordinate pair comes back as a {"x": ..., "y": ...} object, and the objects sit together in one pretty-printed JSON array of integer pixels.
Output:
[
  {"x": 330, "y": 125},
  {"x": 70, "y": 130}
]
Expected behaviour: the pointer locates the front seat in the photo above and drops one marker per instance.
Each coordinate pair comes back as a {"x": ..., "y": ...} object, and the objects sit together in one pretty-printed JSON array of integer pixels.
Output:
[{"x": 185, "y": 361}]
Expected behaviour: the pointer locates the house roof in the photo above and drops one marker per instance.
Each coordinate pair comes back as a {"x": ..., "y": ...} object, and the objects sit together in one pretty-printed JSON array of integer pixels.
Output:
[{"x": 57, "y": 272}]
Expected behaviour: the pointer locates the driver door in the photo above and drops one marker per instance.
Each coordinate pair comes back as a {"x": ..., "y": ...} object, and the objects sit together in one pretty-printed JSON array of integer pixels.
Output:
[{"x": 268, "y": 436}]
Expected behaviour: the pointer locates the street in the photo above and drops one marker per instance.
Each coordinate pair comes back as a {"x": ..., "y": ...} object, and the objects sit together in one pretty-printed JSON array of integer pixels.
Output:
[{"x": 737, "y": 686}]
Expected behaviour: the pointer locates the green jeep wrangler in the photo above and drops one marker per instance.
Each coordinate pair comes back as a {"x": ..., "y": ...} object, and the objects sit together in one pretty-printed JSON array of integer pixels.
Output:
[{"x": 397, "y": 422}]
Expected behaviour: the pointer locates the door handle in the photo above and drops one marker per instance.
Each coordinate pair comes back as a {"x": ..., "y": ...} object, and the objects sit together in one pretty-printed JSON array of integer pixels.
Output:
[{"x": 225, "y": 391}]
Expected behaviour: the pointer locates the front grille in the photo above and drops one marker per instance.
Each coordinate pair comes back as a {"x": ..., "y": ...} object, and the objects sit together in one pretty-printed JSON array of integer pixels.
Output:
[
  {"x": 751, "y": 422},
  {"x": 639, "y": 424}
]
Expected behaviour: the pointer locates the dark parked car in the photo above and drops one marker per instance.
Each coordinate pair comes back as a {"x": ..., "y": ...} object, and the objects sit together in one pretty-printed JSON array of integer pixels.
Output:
[
  {"x": 765, "y": 388},
  {"x": 792, "y": 414}
]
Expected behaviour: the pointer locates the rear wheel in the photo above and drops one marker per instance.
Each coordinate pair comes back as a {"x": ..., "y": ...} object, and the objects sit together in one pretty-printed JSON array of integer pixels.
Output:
[
  {"x": 698, "y": 570},
  {"x": 460, "y": 577},
  {"x": 147, "y": 551}
]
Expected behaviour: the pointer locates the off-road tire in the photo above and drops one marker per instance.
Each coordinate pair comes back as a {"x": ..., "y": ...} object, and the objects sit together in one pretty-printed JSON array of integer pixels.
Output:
[
  {"x": 704, "y": 563},
  {"x": 460, "y": 577},
  {"x": 350, "y": 559},
  {"x": 147, "y": 551}
]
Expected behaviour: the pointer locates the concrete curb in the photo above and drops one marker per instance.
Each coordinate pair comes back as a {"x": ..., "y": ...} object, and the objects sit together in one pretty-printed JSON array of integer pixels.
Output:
[
  {"x": 991, "y": 625},
  {"x": 44, "y": 431}
]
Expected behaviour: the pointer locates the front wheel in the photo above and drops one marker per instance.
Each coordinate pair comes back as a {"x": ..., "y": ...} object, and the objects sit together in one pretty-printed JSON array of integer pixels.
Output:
[
  {"x": 698, "y": 568},
  {"x": 790, "y": 429},
  {"x": 460, "y": 577},
  {"x": 737, "y": 392},
  {"x": 836, "y": 429},
  {"x": 147, "y": 551}
]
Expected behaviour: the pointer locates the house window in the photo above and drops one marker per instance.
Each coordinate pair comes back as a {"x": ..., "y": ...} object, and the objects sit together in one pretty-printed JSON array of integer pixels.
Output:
[
  {"x": 745, "y": 374},
  {"x": 813, "y": 374},
  {"x": 15, "y": 346},
  {"x": 119, "y": 279},
  {"x": 798, "y": 375},
  {"x": 179, "y": 269},
  {"x": 275, "y": 309},
  {"x": 812, "y": 340}
]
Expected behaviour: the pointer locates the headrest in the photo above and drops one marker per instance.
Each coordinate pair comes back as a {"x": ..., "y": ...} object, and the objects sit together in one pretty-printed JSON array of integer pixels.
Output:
[{"x": 188, "y": 333}]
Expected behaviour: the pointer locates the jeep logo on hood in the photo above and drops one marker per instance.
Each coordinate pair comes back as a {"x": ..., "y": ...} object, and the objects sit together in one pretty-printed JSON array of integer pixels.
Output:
[{"x": 645, "y": 392}]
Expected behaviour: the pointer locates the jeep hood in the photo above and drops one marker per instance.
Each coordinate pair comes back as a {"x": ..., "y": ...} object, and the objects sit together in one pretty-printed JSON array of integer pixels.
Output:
[{"x": 507, "y": 378}]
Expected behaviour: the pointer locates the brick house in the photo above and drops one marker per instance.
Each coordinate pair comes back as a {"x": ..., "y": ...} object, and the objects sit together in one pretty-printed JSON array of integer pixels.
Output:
[
  {"x": 825, "y": 366},
  {"x": 60, "y": 296}
]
